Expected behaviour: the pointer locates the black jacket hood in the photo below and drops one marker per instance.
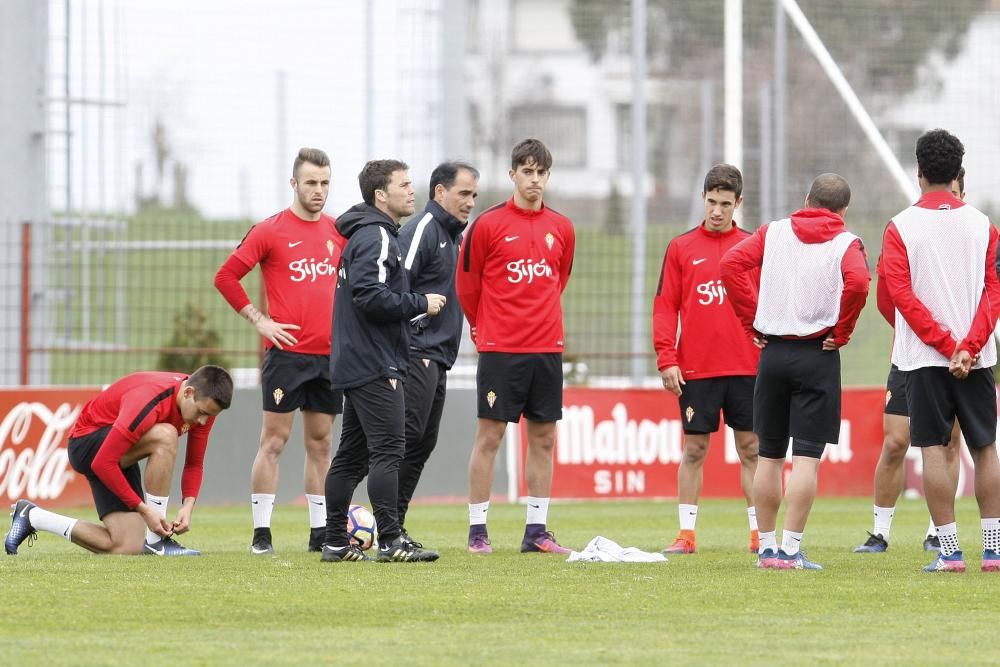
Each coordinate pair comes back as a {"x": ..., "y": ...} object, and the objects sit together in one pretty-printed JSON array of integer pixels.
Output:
[{"x": 361, "y": 215}]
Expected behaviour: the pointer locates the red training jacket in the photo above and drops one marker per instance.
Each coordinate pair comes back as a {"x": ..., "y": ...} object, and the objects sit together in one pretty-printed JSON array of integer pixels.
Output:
[
  {"x": 896, "y": 274},
  {"x": 811, "y": 225},
  {"x": 298, "y": 260},
  {"x": 132, "y": 406},
  {"x": 690, "y": 292},
  {"x": 512, "y": 269}
]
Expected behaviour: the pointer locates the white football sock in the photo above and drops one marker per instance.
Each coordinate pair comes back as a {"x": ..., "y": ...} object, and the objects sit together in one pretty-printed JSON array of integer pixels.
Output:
[
  {"x": 790, "y": 542},
  {"x": 262, "y": 504},
  {"x": 752, "y": 517},
  {"x": 317, "y": 510},
  {"x": 538, "y": 510},
  {"x": 948, "y": 534},
  {"x": 159, "y": 503},
  {"x": 768, "y": 541},
  {"x": 991, "y": 534},
  {"x": 883, "y": 521},
  {"x": 477, "y": 513},
  {"x": 50, "y": 522},
  {"x": 688, "y": 515}
]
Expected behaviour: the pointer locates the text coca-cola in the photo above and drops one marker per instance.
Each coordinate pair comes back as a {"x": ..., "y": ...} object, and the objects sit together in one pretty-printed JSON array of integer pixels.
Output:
[{"x": 34, "y": 462}]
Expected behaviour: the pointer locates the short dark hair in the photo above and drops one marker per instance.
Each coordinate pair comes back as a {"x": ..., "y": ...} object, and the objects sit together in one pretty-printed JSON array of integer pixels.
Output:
[
  {"x": 376, "y": 175},
  {"x": 531, "y": 150},
  {"x": 724, "y": 177},
  {"x": 830, "y": 191},
  {"x": 939, "y": 156},
  {"x": 212, "y": 382},
  {"x": 311, "y": 155},
  {"x": 446, "y": 173},
  {"x": 961, "y": 180}
]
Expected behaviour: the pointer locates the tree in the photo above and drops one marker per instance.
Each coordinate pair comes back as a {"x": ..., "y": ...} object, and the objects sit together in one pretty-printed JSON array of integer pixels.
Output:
[
  {"x": 897, "y": 35},
  {"x": 614, "y": 212},
  {"x": 192, "y": 343},
  {"x": 879, "y": 45}
]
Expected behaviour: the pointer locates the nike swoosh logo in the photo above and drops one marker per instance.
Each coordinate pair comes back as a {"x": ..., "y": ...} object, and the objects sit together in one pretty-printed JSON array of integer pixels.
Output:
[
  {"x": 292, "y": 245},
  {"x": 508, "y": 239},
  {"x": 318, "y": 502},
  {"x": 24, "y": 511},
  {"x": 698, "y": 261},
  {"x": 444, "y": 243},
  {"x": 154, "y": 550},
  {"x": 535, "y": 506}
]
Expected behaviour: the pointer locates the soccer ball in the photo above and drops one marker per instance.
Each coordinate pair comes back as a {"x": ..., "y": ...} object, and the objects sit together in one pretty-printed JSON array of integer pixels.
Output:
[{"x": 361, "y": 526}]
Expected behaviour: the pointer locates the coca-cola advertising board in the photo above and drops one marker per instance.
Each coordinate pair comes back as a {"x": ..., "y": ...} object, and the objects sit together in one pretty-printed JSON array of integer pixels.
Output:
[
  {"x": 628, "y": 443},
  {"x": 34, "y": 429}
]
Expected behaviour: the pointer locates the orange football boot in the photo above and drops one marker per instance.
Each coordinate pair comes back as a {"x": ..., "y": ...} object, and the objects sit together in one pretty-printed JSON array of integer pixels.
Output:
[{"x": 683, "y": 544}]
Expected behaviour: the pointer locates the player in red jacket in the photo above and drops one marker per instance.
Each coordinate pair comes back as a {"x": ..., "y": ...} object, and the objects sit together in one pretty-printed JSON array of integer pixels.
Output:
[
  {"x": 141, "y": 416},
  {"x": 513, "y": 266},
  {"x": 298, "y": 251},
  {"x": 939, "y": 264},
  {"x": 812, "y": 285},
  {"x": 890, "y": 471},
  {"x": 711, "y": 368}
]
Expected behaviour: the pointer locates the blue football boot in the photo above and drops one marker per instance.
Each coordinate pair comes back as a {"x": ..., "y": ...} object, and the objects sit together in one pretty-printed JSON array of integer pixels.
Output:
[
  {"x": 875, "y": 544},
  {"x": 797, "y": 562},
  {"x": 167, "y": 546},
  {"x": 20, "y": 527},
  {"x": 953, "y": 563}
]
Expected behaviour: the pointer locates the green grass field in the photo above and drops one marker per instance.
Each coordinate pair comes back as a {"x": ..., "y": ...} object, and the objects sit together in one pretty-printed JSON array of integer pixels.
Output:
[{"x": 64, "y": 606}]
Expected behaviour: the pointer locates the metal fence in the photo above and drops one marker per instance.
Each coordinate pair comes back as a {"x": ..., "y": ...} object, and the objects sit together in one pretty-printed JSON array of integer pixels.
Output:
[{"x": 149, "y": 189}]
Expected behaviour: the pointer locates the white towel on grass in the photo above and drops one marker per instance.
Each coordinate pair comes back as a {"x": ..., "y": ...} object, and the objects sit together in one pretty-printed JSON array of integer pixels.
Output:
[{"x": 603, "y": 550}]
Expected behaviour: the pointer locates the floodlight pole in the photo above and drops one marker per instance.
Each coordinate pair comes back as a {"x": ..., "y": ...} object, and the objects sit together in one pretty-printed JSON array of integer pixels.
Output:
[
  {"x": 640, "y": 339},
  {"x": 733, "y": 149},
  {"x": 780, "y": 175},
  {"x": 281, "y": 136},
  {"x": 369, "y": 80}
]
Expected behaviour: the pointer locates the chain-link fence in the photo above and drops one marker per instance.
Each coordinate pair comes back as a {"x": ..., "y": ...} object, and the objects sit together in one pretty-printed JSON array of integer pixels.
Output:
[
  {"x": 844, "y": 87},
  {"x": 101, "y": 298}
]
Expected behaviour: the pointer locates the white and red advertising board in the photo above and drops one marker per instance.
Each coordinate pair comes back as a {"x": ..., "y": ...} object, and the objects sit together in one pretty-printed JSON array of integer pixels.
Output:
[
  {"x": 34, "y": 427},
  {"x": 627, "y": 443},
  {"x": 612, "y": 443}
]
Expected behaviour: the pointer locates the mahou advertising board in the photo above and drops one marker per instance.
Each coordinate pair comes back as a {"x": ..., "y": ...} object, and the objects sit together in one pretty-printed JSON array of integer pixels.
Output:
[
  {"x": 627, "y": 443},
  {"x": 34, "y": 429}
]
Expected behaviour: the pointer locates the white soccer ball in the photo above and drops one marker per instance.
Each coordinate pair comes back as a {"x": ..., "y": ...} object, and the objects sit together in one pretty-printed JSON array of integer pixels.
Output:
[{"x": 361, "y": 526}]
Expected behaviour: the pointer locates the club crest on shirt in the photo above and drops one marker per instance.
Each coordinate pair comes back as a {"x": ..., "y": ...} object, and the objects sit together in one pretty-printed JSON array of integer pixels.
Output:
[
  {"x": 392, "y": 383},
  {"x": 689, "y": 413},
  {"x": 888, "y": 397},
  {"x": 185, "y": 428},
  {"x": 491, "y": 398},
  {"x": 427, "y": 363},
  {"x": 329, "y": 247},
  {"x": 278, "y": 395},
  {"x": 549, "y": 240}
]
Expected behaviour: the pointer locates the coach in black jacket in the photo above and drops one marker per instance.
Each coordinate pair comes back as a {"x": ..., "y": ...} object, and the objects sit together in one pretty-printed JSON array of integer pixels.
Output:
[
  {"x": 430, "y": 245},
  {"x": 368, "y": 359}
]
